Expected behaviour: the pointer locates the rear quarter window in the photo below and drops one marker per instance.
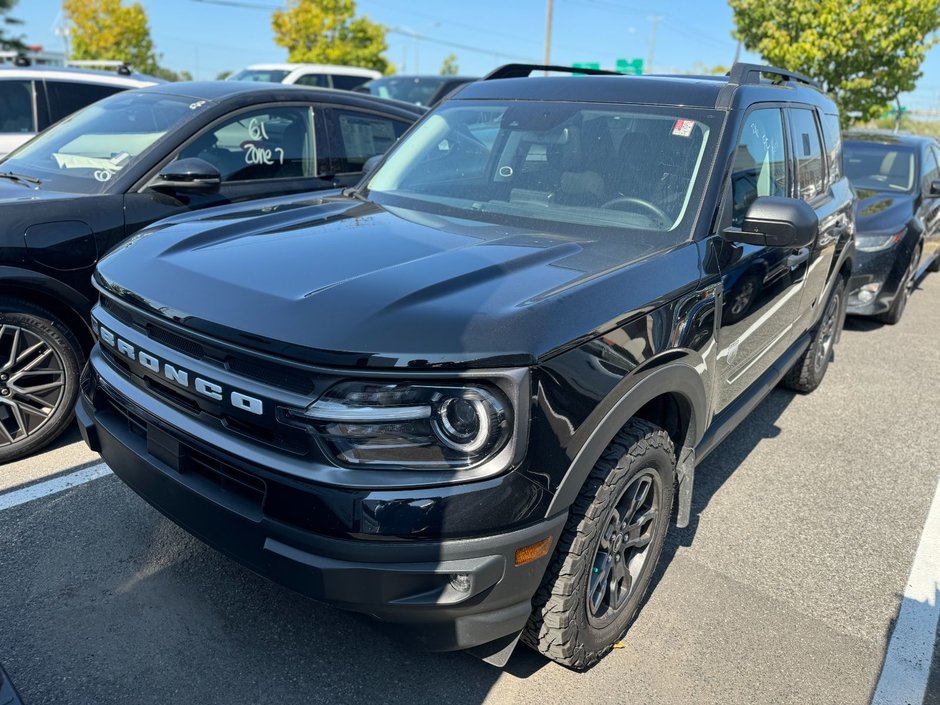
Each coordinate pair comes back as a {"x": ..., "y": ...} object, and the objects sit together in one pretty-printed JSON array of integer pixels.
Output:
[{"x": 832, "y": 135}]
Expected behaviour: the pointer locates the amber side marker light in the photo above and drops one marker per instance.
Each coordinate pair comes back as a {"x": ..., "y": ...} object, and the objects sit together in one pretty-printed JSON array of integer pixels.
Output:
[{"x": 533, "y": 551}]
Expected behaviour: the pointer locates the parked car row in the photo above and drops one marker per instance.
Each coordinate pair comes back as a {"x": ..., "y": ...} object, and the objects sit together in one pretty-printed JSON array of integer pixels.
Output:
[{"x": 461, "y": 388}]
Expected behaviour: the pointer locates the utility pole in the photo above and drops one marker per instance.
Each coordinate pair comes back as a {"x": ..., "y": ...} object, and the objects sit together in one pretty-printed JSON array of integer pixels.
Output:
[
  {"x": 548, "y": 34},
  {"x": 649, "y": 59}
]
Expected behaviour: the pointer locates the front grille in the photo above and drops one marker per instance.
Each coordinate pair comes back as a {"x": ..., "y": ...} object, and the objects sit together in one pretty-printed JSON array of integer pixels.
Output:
[
  {"x": 229, "y": 479},
  {"x": 177, "y": 342},
  {"x": 282, "y": 375}
]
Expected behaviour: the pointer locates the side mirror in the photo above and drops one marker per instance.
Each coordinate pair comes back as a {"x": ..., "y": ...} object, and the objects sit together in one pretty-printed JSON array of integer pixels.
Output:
[
  {"x": 935, "y": 187},
  {"x": 370, "y": 164},
  {"x": 192, "y": 174},
  {"x": 772, "y": 221}
]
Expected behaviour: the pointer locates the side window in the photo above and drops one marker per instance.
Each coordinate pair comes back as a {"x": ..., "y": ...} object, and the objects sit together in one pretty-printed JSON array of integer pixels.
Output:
[
  {"x": 760, "y": 165},
  {"x": 929, "y": 169},
  {"x": 66, "y": 97},
  {"x": 272, "y": 143},
  {"x": 16, "y": 106},
  {"x": 833, "y": 137},
  {"x": 347, "y": 83},
  {"x": 807, "y": 151},
  {"x": 358, "y": 136},
  {"x": 317, "y": 80}
]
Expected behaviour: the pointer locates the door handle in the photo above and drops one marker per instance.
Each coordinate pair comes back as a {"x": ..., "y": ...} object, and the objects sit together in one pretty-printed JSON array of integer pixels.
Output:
[{"x": 797, "y": 258}]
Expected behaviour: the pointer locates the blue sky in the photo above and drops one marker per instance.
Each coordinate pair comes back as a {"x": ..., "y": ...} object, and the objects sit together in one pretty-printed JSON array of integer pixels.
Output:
[{"x": 207, "y": 38}]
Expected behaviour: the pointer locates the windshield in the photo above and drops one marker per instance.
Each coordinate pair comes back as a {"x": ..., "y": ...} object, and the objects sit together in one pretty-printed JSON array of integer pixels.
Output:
[
  {"x": 268, "y": 75},
  {"x": 879, "y": 167},
  {"x": 554, "y": 165},
  {"x": 87, "y": 150},
  {"x": 420, "y": 91}
]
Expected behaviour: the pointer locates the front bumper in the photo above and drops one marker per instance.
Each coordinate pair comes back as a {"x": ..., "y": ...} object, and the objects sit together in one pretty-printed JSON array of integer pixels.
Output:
[
  {"x": 405, "y": 583},
  {"x": 885, "y": 268}
]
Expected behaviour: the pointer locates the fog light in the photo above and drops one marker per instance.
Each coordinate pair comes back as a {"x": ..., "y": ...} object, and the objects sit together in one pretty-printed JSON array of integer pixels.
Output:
[
  {"x": 461, "y": 582},
  {"x": 868, "y": 292}
]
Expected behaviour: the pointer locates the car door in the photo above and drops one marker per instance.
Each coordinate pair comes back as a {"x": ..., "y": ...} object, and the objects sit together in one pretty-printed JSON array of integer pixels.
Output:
[
  {"x": 260, "y": 151},
  {"x": 930, "y": 204},
  {"x": 818, "y": 182},
  {"x": 356, "y": 135},
  {"x": 761, "y": 285}
]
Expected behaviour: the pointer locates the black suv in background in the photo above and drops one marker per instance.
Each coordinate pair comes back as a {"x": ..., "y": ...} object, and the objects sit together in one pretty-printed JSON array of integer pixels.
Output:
[
  {"x": 897, "y": 219},
  {"x": 464, "y": 396},
  {"x": 83, "y": 185}
]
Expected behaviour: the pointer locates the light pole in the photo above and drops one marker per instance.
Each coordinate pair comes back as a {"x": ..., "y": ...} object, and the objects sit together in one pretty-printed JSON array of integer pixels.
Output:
[{"x": 416, "y": 36}]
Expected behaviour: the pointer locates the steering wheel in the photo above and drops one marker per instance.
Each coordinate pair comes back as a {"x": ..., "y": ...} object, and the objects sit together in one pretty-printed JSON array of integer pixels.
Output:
[{"x": 643, "y": 206}]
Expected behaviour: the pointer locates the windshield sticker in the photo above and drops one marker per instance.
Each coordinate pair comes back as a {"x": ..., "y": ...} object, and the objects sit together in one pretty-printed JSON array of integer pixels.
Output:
[{"x": 683, "y": 128}]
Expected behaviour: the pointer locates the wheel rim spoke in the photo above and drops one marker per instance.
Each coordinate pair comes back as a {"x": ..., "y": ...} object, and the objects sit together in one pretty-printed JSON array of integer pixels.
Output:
[
  {"x": 32, "y": 383},
  {"x": 621, "y": 553}
]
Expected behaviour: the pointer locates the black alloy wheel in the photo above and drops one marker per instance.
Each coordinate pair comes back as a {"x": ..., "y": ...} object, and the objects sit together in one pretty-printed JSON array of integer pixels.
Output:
[
  {"x": 606, "y": 555},
  {"x": 808, "y": 371},
  {"x": 40, "y": 361},
  {"x": 623, "y": 550}
]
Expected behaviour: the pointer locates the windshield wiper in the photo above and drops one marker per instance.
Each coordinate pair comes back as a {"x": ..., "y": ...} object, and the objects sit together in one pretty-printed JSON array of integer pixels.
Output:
[
  {"x": 20, "y": 177},
  {"x": 353, "y": 192}
]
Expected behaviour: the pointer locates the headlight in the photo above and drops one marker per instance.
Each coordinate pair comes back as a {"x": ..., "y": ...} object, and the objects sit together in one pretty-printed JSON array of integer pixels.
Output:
[
  {"x": 411, "y": 426},
  {"x": 875, "y": 242}
]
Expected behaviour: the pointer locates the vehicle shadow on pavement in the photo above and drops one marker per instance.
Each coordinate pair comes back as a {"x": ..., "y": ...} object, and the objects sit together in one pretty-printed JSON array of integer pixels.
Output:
[{"x": 718, "y": 467}]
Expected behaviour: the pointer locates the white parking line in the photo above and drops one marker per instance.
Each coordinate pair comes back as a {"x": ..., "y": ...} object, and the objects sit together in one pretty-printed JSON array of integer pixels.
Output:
[
  {"x": 58, "y": 484},
  {"x": 906, "y": 668}
]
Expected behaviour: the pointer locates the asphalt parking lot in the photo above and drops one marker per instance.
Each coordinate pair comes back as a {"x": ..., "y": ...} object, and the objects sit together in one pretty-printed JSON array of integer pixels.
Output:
[{"x": 783, "y": 589}]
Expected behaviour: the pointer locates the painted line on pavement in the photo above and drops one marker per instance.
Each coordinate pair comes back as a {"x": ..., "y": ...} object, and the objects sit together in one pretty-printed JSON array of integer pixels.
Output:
[
  {"x": 910, "y": 652},
  {"x": 54, "y": 486}
]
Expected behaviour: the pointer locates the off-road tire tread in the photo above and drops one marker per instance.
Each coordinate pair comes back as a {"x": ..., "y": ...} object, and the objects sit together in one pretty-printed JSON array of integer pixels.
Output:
[
  {"x": 802, "y": 376},
  {"x": 558, "y": 611},
  {"x": 68, "y": 346}
]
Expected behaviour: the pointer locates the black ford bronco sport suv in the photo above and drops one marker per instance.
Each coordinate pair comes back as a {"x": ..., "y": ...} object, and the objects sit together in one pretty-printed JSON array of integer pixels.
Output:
[{"x": 464, "y": 396}]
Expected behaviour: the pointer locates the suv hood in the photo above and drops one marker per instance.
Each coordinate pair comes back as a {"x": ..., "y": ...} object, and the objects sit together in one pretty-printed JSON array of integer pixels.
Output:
[
  {"x": 383, "y": 286},
  {"x": 882, "y": 210}
]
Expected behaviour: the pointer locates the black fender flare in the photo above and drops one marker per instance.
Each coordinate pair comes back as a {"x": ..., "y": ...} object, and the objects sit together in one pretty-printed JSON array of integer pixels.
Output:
[{"x": 679, "y": 377}]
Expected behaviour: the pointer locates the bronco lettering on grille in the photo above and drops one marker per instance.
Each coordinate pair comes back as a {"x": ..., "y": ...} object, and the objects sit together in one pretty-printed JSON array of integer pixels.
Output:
[{"x": 203, "y": 387}]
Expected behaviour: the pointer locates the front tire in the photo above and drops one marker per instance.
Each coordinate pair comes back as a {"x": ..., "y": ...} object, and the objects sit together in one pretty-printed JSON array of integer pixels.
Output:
[
  {"x": 608, "y": 551},
  {"x": 40, "y": 363},
  {"x": 809, "y": 370},
  {"x": 906, "y": 288}
]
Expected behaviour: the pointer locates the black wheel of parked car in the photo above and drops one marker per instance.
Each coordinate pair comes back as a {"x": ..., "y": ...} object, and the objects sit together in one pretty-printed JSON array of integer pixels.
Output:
[
  {"x": 906, "y": 288},
  {"x": 40, "y": 362},
  {"x": 935, "y": 264},
  {"x": 608, "y": 550},
  {"x": 809, "y": 370}
]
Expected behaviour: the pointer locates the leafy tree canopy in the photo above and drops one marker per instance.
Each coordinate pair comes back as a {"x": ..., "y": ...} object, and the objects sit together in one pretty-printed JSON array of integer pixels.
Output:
[
  {"x": 8, "y": 42},
  {"x": 862, "y": 52},
  {"x": 449, "y": 67},
  {"x": 111, "y": 30},
  {"x": 328, "y": 32}
]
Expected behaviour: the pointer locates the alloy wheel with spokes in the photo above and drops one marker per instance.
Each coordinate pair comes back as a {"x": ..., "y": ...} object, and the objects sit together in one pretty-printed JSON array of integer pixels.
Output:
[
  {"x": 827, "y": 334},
  {"x": 32, "y": 382},
  {"x": 40, "y": 362},
  {"x": 623, "y": 548}
]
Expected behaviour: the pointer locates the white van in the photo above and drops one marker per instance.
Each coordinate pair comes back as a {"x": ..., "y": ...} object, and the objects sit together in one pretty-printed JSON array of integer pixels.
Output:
[
  {"x": 34, "y": 97},
  {"x": 319, "y": 75}
]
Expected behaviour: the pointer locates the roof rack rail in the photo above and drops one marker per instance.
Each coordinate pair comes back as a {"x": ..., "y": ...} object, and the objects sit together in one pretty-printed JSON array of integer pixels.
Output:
[
  {"x": 119, "y": 66},
  {"x": 524, "y": 70},
  {"x": 751, "y": 73}
]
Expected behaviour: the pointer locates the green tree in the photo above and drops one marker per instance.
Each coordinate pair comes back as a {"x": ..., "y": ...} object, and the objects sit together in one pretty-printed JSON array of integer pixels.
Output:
[
  {"x": 111, "y": 30},
  {"x": 7, "y": 42},
  {"x": 328, "y": 32},
  {"x": 449, "y": 67},
  {"x": 862, "y": 52},
  {"x": 222, "y": 75}
]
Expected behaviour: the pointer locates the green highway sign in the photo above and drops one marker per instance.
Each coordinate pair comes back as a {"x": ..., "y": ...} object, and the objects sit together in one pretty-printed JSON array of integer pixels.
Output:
[{"x": 633, "y": 67}]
